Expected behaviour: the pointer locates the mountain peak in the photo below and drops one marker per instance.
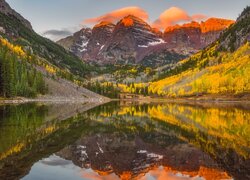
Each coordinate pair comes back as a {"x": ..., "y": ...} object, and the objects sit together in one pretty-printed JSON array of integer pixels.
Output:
[
  {"x": 238, "y": 34},
  {"x": 192, "y": 24},
  {"x": 133, "y": 17},
  {"x": 128, "y": 21},
  {"x": 8, "y": 11},
  {"x": 212, "y": 24},
  {"x": 245, "y": 13},
  {"x": 215, "y": 24},
  {"x": 131, "y": 20},
  {"x": 132, "y": 39},
  {"x": 104, "y": 24}
]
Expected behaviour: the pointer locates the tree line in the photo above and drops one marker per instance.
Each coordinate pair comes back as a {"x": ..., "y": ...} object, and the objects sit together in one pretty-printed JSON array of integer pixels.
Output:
[{"x": 17, "y": 77}]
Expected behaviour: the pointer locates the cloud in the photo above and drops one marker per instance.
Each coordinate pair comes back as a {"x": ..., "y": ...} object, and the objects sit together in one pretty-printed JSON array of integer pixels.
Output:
[
  {"x": 55, "y": 161},
  {"x": 56, "y": 35},
  {"x": 55, "y": 32},
  {"x": 116, "y": 15},
  {"x": 175, "y": 15}
]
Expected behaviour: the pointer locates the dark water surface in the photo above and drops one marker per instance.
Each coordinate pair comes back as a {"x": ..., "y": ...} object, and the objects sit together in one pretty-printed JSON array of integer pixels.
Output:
[{"x": 125, "y": 140}]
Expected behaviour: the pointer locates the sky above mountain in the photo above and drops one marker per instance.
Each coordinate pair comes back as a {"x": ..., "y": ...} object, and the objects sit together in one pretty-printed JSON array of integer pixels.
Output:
[{"x": 60, "y": 18}]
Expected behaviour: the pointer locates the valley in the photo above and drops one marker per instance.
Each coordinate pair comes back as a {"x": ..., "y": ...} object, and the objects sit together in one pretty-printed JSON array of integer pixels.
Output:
[
  {"x": 124, "y": 90},
  {"x": 196, "y": 59}
]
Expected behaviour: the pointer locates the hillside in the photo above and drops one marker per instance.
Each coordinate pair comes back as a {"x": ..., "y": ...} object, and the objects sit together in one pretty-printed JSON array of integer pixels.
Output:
[
  {"x": 227, "y": 73},
  {"x": 26, "y": 75},
  {"x": 17, "y": 29},
  {"x": 31, "y": 66},
  {"x": 222, "y": 68}
]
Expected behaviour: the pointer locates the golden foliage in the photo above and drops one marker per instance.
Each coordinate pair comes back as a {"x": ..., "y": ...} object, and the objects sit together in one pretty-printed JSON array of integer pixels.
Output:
[
  {"x": 15, "y": 49},
  {"x": 231, "y": 125},
  {"x": 15, "y": 149},
  {"x": 231, "y": 76}
]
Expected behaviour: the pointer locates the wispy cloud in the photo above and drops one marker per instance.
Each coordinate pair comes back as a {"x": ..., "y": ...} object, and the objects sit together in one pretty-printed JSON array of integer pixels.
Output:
[
  {"x": 116, "y": 15},
  {"x": 175, "y": 15},
  {"x": 171, "y": 16},
  {"x": 56, "y": 35}
]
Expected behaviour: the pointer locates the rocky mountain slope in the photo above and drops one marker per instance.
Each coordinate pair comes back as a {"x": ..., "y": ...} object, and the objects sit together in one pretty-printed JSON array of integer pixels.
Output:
[
  {"x": 7, "y": 10},
  {"x": 128, "y": 160},
  {"x": 221, "y": 68},
  {"x": 63, "y": 72},
  {"x": 133, "y": 41},
  {"x": 18, "y": 30},
  {"x": 195, "y": 36},
  {"x": 238, "y": 34}
]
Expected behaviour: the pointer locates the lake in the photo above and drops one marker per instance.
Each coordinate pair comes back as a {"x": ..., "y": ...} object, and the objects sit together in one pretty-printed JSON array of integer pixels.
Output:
[{"x": 125, "y": 140}]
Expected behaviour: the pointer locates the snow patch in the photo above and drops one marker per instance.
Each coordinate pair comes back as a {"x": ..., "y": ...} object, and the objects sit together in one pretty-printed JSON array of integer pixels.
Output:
[
  {"x": 142, "y": 152},
  {"x": 145, "y": 31},
  {"x": 83, "y": 37},
  {"x": 82, "y": 50},
  {"x": 142, "y": 46},
  {"x": 160, "y": 41},
  {"x": 153, "y": 155},
  {"x": 84, "y": 44},
  {"x": 100, "y": 149},
  {"x": 83, "y": 153},
  {"x": 82, "y": 47},
  {"x": 101, "y": 47},
  {"x": 150, "y": 155},
  {"x": 154, "y": 43}
]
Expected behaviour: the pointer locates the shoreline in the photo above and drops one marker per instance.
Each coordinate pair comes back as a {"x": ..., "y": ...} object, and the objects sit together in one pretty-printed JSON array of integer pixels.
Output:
[
  {"x": 194, "y": 99},
  {"x": 55, "y": 99}
]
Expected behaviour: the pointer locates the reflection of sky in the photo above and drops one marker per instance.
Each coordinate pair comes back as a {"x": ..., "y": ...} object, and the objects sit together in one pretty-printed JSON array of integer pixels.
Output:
[
  {"x": 55, "y": 161},
  {"x": 56, "y": 168},
  {"x": 161, "y": 174},
  {"x": 91, "y": 175}
]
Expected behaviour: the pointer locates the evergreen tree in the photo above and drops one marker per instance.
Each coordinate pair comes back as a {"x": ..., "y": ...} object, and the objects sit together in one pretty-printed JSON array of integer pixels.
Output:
[{"x": 19, "y": 78}]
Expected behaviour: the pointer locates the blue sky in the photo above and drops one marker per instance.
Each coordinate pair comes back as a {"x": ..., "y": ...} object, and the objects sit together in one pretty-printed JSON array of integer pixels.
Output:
[{"x": 67, "y": 15}]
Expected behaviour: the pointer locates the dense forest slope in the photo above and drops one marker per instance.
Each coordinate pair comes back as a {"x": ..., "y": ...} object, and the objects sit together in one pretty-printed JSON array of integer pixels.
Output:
[
  {"x": 17, "y": 76},
  {"x": 27, "y": 75},
  {"x": 14, "y": 27}
]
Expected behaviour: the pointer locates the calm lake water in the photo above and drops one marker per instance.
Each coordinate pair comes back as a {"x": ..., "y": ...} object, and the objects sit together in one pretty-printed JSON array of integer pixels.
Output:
[{"x": 125, "y": 140}]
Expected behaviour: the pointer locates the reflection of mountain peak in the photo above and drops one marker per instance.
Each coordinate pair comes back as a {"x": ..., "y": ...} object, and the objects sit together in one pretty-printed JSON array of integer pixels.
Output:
[
  {"x": 131, "y": 158},
  {"x": 130, "y": 140}
]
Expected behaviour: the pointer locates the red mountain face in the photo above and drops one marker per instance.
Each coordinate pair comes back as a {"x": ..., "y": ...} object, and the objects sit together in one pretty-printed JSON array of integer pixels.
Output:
[
  {"x": 129, "y": 37},
  {"x": 128, "y": 160},
  {"x": 195, "y": 35},
  {"x": 134, "y": 41},
  {"x": 101, "y": 33}
]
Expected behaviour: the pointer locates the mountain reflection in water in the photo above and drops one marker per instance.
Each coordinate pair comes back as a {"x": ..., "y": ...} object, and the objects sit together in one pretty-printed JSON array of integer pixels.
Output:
[{"x": 122, "y": 140}]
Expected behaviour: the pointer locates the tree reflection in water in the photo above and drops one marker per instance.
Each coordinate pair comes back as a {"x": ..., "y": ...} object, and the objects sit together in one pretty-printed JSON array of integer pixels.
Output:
[{"x": 128, "y": 140}]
